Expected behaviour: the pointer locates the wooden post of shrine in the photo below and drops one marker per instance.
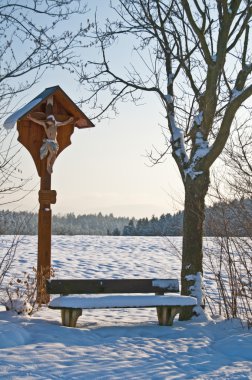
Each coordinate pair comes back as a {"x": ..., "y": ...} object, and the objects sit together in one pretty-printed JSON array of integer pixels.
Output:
[
  {"x": 46, "y": 198},
  {"x": 45, "y": 126}
]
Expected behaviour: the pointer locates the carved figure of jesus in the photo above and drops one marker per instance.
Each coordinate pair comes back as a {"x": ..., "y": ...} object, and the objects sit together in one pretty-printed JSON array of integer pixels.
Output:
[{"x": 50, "y": 145}]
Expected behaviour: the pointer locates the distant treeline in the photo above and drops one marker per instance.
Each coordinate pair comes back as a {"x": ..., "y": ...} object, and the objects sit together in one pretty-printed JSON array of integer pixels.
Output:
[
  {"x": 222, "y": 219},
  {"x": 25, "y": 223},
  {"x": 234, "y": 218}
]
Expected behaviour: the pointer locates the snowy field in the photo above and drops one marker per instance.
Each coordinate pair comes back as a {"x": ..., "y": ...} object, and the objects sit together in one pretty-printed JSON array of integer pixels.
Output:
[{"x": 112, "y": 344}]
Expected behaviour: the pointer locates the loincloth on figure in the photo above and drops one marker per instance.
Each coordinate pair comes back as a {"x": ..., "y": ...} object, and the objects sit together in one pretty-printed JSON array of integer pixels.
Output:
[{"x": 48, "y": 144}]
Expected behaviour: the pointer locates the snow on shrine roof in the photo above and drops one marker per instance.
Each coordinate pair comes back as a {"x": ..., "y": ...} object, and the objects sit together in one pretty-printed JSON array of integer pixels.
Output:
[{"x": 10, "y": 122}]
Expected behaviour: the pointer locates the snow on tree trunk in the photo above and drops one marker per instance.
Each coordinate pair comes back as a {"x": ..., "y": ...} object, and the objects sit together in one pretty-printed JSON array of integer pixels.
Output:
[{"x": 192, "y": 261}]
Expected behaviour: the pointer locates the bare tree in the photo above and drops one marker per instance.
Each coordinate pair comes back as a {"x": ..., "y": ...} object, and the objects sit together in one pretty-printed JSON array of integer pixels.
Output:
[
  {"x": 238, "y": 160},
  {"x": 230, "y": 260},
  {"x": 196, "y": 57},
  {"x": 32, "y": 41}
]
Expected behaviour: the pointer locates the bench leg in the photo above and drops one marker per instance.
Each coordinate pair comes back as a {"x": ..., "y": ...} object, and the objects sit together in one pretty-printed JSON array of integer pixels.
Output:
[
  {"x": 70, "y": 317},
  {"x": 166, "y": 315}
]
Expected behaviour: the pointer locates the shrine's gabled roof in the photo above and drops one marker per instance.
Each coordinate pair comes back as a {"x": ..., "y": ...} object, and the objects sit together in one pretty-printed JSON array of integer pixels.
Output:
[{"x": 61, "y": 97}]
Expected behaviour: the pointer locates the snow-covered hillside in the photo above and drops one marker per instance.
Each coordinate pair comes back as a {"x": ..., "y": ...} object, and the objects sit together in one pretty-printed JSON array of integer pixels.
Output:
[{"x": 111, "y": 344}]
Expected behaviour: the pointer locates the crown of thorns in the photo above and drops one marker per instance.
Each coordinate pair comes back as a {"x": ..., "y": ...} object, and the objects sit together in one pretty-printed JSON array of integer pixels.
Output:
[{"x": 50, "y": 117}]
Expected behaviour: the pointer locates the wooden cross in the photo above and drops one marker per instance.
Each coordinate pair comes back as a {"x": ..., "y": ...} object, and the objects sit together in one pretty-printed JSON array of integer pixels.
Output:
[{"x": 52, "y": 101}]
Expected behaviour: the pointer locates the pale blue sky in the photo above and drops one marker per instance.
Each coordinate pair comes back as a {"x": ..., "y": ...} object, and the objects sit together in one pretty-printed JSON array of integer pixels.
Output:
[{"x": 105, "y": 169}]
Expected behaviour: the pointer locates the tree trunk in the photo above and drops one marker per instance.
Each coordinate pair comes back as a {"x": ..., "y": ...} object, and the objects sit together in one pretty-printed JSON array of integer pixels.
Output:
[{"x": 192, "y": 257}]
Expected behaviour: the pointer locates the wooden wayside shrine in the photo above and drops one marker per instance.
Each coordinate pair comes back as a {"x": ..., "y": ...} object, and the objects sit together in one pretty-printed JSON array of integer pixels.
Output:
[{"x": 45, "y": 126}]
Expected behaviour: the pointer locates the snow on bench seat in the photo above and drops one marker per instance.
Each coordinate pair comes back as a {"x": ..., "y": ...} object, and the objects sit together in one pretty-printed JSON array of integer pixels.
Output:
[
  {"x": 167, "y": 306},
  {"x": 119, "y": 301}
]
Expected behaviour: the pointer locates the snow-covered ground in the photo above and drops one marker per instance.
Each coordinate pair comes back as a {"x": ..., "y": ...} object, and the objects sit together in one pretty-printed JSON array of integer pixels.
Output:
[{"x": 112, "y": 344}]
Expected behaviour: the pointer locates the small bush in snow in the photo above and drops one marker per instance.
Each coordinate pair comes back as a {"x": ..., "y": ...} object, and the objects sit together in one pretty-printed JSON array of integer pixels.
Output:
[
  {"x": 22, "y": 295},
  {"x": 21, "y": 307}
]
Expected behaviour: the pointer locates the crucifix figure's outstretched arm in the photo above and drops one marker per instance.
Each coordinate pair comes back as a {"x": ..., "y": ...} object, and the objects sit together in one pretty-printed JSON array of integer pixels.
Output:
[
  {"x": 68, "y": 121},
  {"x": 37, "y": 121}
]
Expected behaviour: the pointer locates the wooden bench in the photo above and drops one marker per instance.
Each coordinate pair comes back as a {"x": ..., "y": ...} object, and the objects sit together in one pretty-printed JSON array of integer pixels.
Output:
[{"x": 117, "y": 293}]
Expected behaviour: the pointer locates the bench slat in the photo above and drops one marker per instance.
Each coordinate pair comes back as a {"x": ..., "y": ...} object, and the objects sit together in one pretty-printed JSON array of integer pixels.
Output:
[{"x": 79, "y": 286}]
